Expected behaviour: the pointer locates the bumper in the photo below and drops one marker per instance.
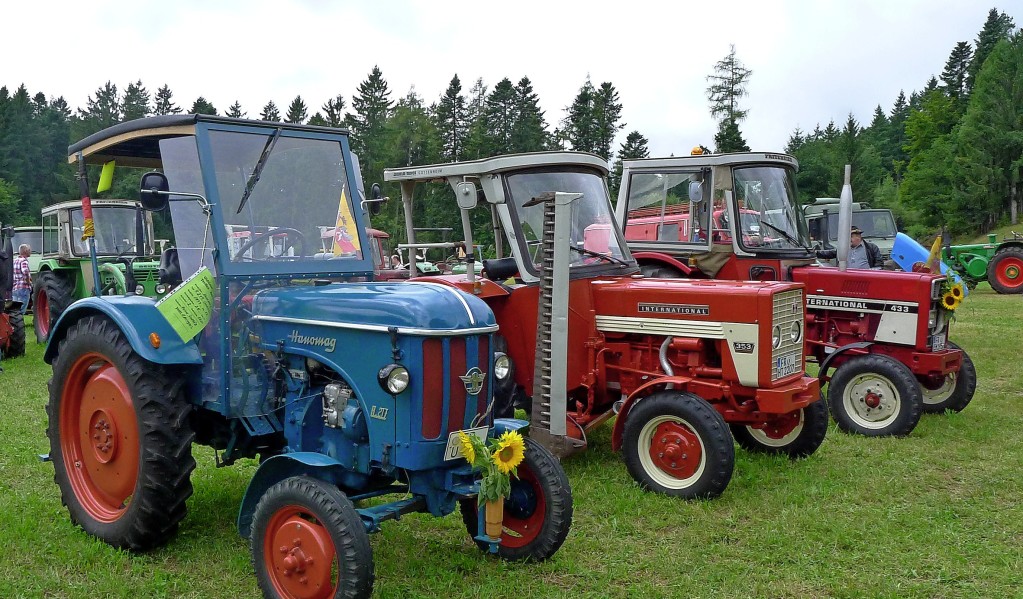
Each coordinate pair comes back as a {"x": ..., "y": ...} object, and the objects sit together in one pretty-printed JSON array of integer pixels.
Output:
[
  {"x": 792, "y": 396},
  {"x": 937, "y": 363}
]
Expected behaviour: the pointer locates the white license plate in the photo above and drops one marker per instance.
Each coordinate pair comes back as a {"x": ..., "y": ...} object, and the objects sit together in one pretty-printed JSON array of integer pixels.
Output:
[
  {"x": 454, "y": 449},
  {"x": 938, "y": 343},
  {"x": 786, "y": 365}
]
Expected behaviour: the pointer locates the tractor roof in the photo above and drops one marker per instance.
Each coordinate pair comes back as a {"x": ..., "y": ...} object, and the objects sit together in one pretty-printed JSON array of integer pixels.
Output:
[
  {"x": 439, "y": 172},
  {"x": 96, "y": 203},
  {"x": 699, "y": 160},
  {"x": 136, "y": 143}
]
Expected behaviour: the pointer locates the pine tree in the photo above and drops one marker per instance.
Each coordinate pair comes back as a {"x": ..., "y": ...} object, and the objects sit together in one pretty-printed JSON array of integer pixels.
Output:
[
  {"x": 235, "y": 111},
  {"x": 530, "y": 132},
  {"x": 372, "y": 106},
  {"x": 635, "y": 146},
  {"x": 997, "y": 27},
  {"x": 796, "y": 141},
  {"x": 954, "y": 75},
  {"x": 499, "y": 118},
  {"x": 334, "y": 111},
  {"x": 270, "y": 113},
  {"x": 103, "y": 111},
  {"x": 729, "y": 138},
  {"x": 297, "y": 111},
  {"x": 728, "y": 85},
  {"x": 450, "y": 119},
  {"x": 475, "y": 107},
  {"x": 164, "y": 103},
  {"x": 897, "y": 135},
  {"x": 318, "y": 120},
  {"x": 202, "y": 106},
  {"x": 607, "y": 113},
  {"x": 579, "y": 124},
  {"x": 136, "y": 102}
]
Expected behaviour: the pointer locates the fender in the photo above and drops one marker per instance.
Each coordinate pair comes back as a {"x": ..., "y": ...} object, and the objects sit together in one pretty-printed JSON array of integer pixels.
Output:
[
  {"x": 137, "y": 317},
  {"x": 823, "y": 371},
  {"x": 280, "y": 467},
  {"x": 641, "y": 392},
  {"x": 664, "y": 259},
  {"x": 504, "y": 425}
]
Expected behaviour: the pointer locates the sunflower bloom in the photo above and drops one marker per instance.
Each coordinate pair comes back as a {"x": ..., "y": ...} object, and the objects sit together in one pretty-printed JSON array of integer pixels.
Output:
[
  {"x": 468, "y": 451},
  {"x": 957, "y": 291},
  {"x": 949, "y": 301},
  {"x": 510, "y": 451}
]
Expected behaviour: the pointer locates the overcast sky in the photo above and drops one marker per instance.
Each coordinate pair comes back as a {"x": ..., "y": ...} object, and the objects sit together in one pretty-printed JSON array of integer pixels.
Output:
[{"x": 812, "y": 61}]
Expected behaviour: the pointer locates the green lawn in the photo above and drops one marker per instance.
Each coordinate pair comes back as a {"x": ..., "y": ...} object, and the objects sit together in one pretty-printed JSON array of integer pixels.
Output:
[{"x": 937, "y": 514}]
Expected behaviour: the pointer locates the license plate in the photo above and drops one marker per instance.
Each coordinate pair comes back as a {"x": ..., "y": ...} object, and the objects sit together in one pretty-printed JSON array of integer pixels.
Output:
[
  {"x": 786, "y": 365},
  {"x": 938, "y": 343},
  {"x": 454, "y": 449}
]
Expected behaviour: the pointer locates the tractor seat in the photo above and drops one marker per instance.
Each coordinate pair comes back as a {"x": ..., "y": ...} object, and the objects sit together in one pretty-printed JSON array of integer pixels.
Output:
[
  {"x": 499, "y": 269},
  {"x": 170, "y": 270}
]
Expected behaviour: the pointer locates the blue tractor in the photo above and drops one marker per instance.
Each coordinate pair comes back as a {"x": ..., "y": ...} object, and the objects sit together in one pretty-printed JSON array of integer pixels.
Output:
[{"x": 280, "y": 349}]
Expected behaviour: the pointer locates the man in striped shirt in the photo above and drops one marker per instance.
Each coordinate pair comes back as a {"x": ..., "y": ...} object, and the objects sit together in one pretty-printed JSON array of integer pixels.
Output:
[{"x": 22, "y": 277}]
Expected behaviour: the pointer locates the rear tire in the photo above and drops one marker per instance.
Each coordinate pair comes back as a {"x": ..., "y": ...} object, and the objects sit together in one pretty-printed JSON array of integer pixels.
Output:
[
  {"x": 676, "y": 443},
  {"x": 120, "y": 440},
  {"x": 875, "y": 396},
  {"x": 52, "y": 294},
  {"x": 956, "y": 390},
  {"x": 796, "y": 434},
  {"x": 1005, "y": 271},
  {"x": 16, "y": 344}
]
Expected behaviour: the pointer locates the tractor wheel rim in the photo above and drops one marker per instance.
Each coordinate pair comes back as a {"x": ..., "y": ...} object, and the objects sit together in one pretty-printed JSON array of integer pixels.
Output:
[
  {"x": 41, "y": 312},
  {"x": 778, "y": 431},
  {"x": 671, "y": 452},
  {"x": 524, "y": 510},
  {"x": 99, "y": 437},
  {"x": 940, "y": 393},
  {"x": 299, "y": 555},
  {"x": 1009, "y": 273},
  {"x": 871, "y": 401}
]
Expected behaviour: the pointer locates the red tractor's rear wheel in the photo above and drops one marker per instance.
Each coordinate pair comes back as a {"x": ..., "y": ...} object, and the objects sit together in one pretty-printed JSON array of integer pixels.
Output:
[
  {"x": 1005, "y": 271},
  {"x": 953, "y": 392},
  {"x": 12, "y": 335},
  {"x": 796, "y": 434},
  {"x": 678, "y": 444},
  {"x": 120, "y": 441},
  {"x": 308, "y": 542},
  {"x": 53, "y": 294},
  {"x": 537, "y": 515}
]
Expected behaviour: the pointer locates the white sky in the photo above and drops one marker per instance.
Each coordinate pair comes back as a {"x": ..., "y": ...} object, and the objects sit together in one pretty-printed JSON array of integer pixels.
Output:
[{"x": 812, "y": 61}]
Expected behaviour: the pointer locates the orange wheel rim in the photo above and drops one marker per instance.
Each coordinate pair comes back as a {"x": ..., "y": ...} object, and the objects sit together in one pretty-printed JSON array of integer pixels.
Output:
[{"x": 299, "y": 555}]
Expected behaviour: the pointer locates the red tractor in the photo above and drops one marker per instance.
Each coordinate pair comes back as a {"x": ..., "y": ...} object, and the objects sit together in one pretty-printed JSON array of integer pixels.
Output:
[
  {"x": 587, "y": 336},
  {"x": 879, "y": 337},
  {"x": 12, "y": 323}
]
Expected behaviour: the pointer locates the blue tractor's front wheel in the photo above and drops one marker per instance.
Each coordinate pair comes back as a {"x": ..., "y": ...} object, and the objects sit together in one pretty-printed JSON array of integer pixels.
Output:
[{"x": 537, "y": 515}]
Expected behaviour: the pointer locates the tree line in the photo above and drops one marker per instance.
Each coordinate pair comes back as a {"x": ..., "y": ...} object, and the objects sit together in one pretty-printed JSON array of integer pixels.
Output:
[{"x": 949, "y": 154}]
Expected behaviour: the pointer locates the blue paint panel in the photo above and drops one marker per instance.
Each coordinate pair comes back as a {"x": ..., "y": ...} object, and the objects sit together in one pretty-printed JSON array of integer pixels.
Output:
[{"x": 906, "y": 252}]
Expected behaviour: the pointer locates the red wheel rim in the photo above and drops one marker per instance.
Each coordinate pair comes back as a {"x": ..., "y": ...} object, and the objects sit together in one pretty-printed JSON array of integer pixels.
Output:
[
  {"x": 1009, "y": 272},
  {"x": 41, "y": 312},
  {"x": 99, "y": 437},
  {"x": 524, "y": 511},
  {"x": 299, "y": 555},
  {"x": 781, "y": 426},
  {"x": 675, "y": 449}
]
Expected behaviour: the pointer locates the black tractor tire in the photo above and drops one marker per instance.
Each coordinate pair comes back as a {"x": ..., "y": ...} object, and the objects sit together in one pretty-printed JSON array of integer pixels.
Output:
[
  {"x": 699, "y": 455},
  {"x": 1005, "y": 271},
  {"x": 51, "y": 295},
  {"x": 120, "y": 439},
  {"x": 15, "y": 345},
  {"x": 307, "y": 540},
  {"x": 956, "y": 391},
  {"x": 657, "y": 271},
  {"x": 797, "y": 434},
  {"x": 875, "y": 396},
  {"x": 537, "y": 515}
]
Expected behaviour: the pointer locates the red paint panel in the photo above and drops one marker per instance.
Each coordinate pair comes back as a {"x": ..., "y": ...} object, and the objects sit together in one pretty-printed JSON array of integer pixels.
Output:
[
  {"x": 482, "y": 359},
  {"x": 456, "y": 387},
  {"x": 433, "y": 387}
]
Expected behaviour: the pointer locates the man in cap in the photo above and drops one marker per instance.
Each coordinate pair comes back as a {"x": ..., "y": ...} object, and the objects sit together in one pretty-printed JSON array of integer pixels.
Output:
[{"x": 862, "y": 253}]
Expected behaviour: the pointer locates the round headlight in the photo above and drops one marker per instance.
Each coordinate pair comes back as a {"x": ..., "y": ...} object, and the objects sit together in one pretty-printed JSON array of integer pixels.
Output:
[
  {"x": 394, "y": 378},
  {"x": 140, "y": 290},
  {"x": 161, "y": 289},
  {"x": 796, "y": 331},
  {"x": 502, "y": 366},
  {"x": 776, "y": 336}
]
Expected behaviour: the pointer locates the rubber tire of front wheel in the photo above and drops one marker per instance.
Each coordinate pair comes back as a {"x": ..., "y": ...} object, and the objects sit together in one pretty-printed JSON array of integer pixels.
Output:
[
  {"x": 16, "y": 343},
  {"x": 59, "y": 292},
  {"x": 809, "y": 439},
  {"x": 966, "y": 386},
  {"x": 902, "y": 379}
]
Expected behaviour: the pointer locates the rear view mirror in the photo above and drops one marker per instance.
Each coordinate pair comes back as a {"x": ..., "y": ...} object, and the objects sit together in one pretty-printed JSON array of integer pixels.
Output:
[
  {"x": 696, "y": 191},
  {"x": 378, "y": 199},
  {"x": 465, "y": 194},
  {"x": 153, "y": 191}
]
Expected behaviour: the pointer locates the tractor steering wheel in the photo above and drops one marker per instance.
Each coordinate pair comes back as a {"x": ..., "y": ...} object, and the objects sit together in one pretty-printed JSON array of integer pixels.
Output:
[{"x": 299, "y": 238}]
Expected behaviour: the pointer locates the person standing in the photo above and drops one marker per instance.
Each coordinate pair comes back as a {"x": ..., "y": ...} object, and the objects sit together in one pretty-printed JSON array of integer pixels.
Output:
[
  {"x": 22, "y": 277},
  {"x": 862, "y": 253}
]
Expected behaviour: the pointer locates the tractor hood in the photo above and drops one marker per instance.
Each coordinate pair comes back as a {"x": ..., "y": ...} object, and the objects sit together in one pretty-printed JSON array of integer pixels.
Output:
[
  {"x": 674, "y": 299},
  {"x": 412, "y": 308}
]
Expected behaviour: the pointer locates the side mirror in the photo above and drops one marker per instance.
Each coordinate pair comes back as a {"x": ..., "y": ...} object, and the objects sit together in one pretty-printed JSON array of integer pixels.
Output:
[
  {"x": 465, "y": 194},
  {"x": 378, "y": 199},
  {"x": 153, "y": 191},
  {"x": 696, "y": 191}
]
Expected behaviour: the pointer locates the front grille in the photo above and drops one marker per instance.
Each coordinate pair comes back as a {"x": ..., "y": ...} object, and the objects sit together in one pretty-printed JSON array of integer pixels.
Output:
[
  {"x": 145, "y": 272},
  {"x": 446, "y": 404},
  {"x": 788, "y": 357}
]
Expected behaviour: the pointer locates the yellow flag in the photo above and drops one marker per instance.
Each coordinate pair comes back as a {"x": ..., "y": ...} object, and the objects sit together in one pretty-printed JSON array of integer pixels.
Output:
[
  {"x": 106, "y": 177},
  {"x": 346, "y": 237},
  {"x": 934, "y": 258}
]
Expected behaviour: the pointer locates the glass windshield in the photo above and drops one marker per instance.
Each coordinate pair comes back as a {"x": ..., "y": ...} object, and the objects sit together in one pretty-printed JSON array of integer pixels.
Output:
[
  {"x": 300, "y": 198},
  {"x": 873, "y": 223},
  {"x": 666, "y": 207},
  {"x": 34, "y": 239},
  {"x": 115, "y": 231},
  {"x": 594, "y": 235},
  {"x": 765, "y": 198}
]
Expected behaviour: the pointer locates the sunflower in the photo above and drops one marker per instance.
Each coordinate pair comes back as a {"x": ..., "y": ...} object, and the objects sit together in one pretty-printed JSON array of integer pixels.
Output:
[
  {"x": 949, "y": 301},
  {"x": 468, "y": 451},
  {"x": 957, "y": 291},
  {"x": 510, "y": 451}
]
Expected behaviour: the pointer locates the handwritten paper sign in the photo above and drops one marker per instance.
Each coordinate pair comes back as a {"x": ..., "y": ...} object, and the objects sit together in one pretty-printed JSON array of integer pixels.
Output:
[{"x": 189, "y": 306}]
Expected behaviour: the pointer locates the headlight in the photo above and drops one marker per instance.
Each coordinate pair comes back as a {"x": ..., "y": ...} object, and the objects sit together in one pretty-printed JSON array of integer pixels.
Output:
[
  {"x": 795, "y": 331},
  {"x": 932, "y": 319},
  {"x": 936, "y": 289},
  {"x": 776, "y": 336},
  {"x": 161, "y": 289},
  {"x": 394, "y": 378},
  {"x": 502, "y": 366},
  {"x": 140, "y": 290}
]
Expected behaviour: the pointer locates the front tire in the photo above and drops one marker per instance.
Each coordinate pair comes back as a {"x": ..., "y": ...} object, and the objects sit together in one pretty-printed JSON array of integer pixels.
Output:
[
  {"x": 537, "y": 515},
  {"x": 955, "y": 391},
  {"x": 16, "y": 342},
  {"x": 120, "y": 440},
  {"x": 677, "y": 444},
  {"x": 308, "y": 542},
  {"x": 875, "y": 396},
  {"x": 52, "y": 295},
  {"x": 797, "y": 434},
  {"x": 1005, "y": 271}
]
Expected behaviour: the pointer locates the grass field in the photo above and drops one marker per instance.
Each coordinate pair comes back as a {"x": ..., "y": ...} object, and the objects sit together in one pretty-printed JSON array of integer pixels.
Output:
[{"x": 937, "y": 514}]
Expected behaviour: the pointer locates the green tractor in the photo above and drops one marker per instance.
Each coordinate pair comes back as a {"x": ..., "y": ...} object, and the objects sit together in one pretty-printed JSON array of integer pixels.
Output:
[
  {"x": 1000, "y": 264},
  {"x": 128, "y": 262}
]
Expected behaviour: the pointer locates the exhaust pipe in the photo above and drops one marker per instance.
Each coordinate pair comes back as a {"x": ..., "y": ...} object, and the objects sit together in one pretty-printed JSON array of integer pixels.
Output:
[{"x": 844, "y": 220}]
